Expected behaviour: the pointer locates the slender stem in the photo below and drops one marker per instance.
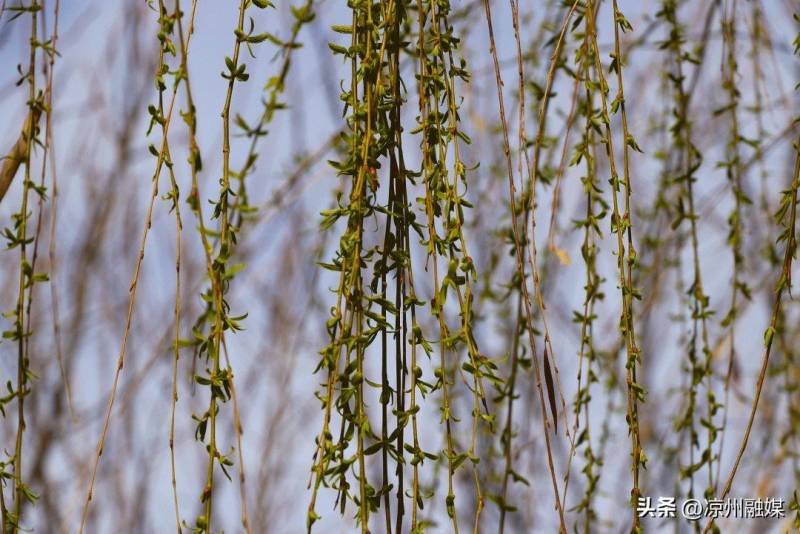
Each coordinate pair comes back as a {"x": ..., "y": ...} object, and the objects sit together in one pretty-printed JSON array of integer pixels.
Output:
[
  {"x": 788, "y": 207},
  {"x": 161, "y": 159},
  {"x": 24, "y": 276},
  {"x": 519, "y": 254}
]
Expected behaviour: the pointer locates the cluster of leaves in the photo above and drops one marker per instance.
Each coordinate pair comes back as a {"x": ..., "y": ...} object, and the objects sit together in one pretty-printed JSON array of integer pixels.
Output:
[
  {"x": 444, "y": 200},
  {"x": 230, "y": 210},
  {"x": 363, "y": 313},
  {"x": 596, "y": 210}
]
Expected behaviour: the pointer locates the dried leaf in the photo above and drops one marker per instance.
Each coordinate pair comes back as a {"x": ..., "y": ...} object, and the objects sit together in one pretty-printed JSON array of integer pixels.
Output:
[
  {"x": 562, "y": 255},
  {"x": 551, "y": 392}
]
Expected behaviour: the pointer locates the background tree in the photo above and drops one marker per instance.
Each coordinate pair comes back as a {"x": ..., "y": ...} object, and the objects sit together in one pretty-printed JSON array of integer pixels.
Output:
[{"x": 396, "y": 266}]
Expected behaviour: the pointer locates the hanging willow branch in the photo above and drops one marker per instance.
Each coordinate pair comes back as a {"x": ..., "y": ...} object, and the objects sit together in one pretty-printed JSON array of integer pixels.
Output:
[
  {"x": 520, "y": 262},
  {"x": 621, "y": 225},
  {"x": 418, "y": 354},
  {"x": 361, "y": 314},
  {"x": 162, "y": 158}
]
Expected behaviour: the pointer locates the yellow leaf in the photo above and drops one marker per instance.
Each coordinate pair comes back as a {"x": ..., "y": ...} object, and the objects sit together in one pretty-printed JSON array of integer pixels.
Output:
[{"x": 562, "y": 255}]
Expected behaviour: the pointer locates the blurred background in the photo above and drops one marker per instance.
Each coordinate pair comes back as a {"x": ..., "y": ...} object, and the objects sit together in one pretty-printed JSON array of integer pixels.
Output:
[{"x": 103, "y": 83}]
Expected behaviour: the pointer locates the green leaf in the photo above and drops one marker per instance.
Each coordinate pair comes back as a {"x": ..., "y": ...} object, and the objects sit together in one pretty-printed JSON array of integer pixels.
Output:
[
  {"x": 337, "y": 49},
  {"x": 769, "y": 333}
]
